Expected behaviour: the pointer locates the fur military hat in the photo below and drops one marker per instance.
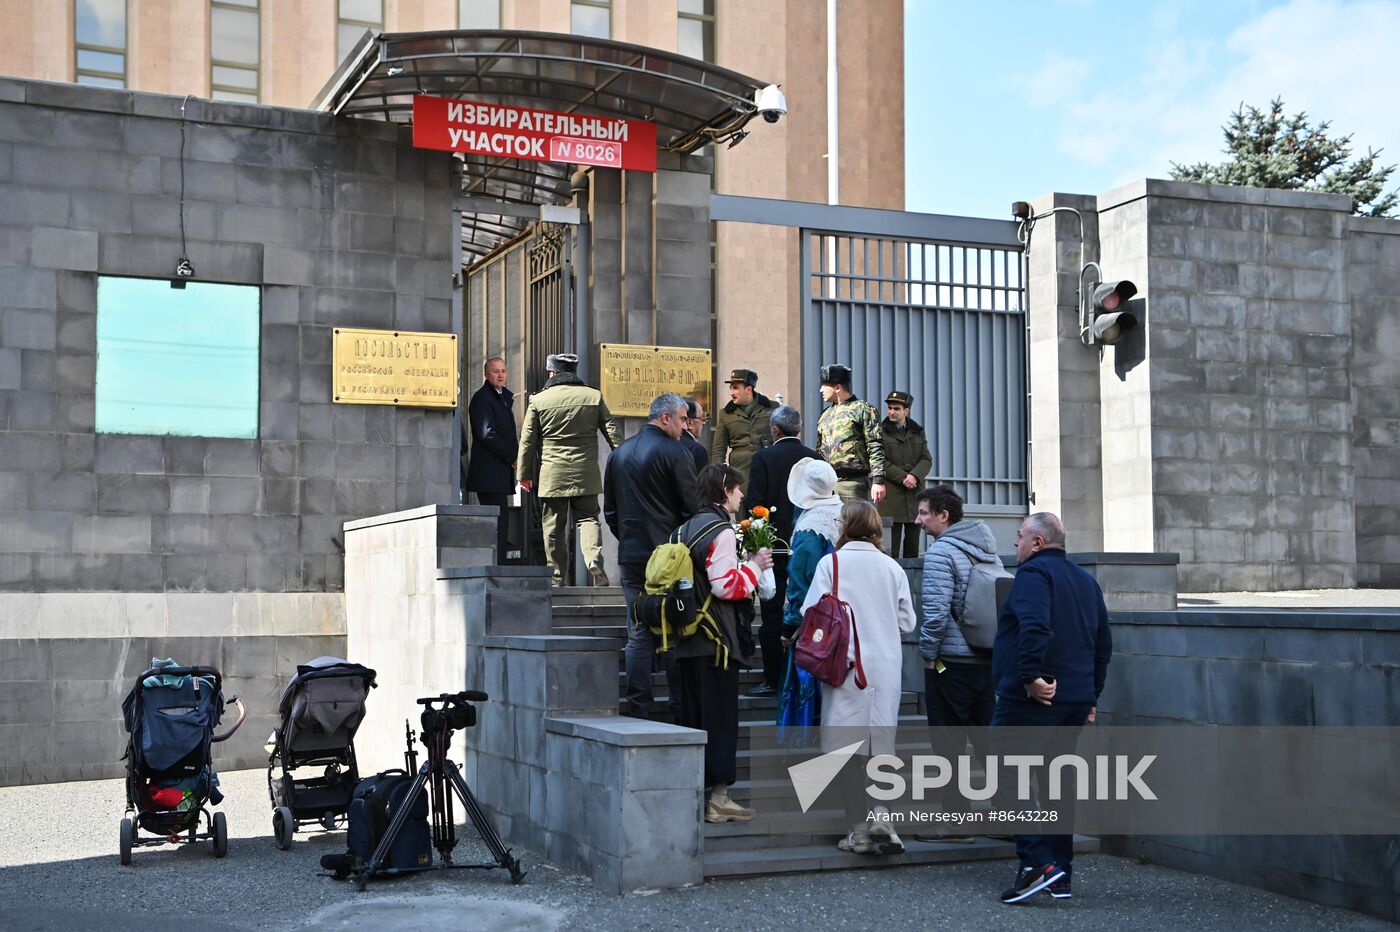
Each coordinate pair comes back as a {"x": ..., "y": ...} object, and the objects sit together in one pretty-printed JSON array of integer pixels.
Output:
[
  {"x": 562, "y": 362},
  {"x": 836, "y": 374},
  {"x": 900, "y": 398},
  {"x": 743, "y": 377}
]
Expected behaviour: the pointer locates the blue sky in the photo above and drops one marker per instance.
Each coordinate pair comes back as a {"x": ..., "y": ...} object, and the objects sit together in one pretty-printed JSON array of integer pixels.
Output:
[{"x": 1012, "y": 99}]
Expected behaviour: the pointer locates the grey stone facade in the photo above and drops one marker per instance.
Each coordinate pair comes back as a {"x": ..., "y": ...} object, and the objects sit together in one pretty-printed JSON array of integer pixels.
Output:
[
  {"x": 1232, "y": 426},
  {"x": 339, "y": 222},
  {"x": 1263, "y": 668}
]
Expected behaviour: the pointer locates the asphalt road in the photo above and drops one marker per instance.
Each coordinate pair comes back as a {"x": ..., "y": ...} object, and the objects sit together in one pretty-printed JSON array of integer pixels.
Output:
[{"x": 59, "y": 871}]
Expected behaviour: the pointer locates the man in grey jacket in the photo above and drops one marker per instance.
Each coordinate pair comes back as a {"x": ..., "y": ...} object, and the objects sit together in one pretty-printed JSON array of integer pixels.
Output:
[{"x": 958, "y": 688}]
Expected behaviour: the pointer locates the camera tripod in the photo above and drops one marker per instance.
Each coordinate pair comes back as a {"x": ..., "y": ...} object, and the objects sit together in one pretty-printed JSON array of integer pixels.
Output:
[{"x": 438, "y": 725}]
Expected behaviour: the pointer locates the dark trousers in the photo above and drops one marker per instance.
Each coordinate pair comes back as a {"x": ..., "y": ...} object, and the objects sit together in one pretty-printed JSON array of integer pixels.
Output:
[
  {"x": 1059, "y": 724},
  {"x": 959, "y": 702},
  {"x": 770, "y": 632},
  {"x": 904, "y": 540},
  {"x": 709, "y": 700},
  {"x": 501, "y": 500},
  {"x": 640, "y": 653}
]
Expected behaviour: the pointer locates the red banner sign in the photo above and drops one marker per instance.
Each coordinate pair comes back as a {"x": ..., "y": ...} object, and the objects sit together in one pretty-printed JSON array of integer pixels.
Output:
[{"x": 535, "y": 135}]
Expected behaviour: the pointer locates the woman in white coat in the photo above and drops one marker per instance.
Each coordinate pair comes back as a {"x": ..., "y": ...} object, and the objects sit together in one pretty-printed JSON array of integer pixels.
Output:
[{"x": 877, "y": 589}]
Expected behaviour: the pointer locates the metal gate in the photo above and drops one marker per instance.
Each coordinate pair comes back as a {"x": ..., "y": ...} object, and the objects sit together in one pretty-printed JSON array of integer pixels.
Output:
[
  {"x": 517, "y": 304},
  {"x": 943, "y": 320}
]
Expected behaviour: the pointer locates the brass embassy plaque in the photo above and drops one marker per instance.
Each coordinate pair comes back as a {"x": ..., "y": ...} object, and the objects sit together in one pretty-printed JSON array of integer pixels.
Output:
[
  {"x": 633, "y": 375},
  {"x": 394, "y": 367}
]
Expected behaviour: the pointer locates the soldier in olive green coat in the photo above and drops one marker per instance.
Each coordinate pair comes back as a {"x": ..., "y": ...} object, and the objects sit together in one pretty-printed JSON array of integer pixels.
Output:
[
  {"x": 743, "y": 426},
  {"x": 907, "y": 463},
  {"x": 848, "y": 437},
  {"x": 557, "y": 442}
]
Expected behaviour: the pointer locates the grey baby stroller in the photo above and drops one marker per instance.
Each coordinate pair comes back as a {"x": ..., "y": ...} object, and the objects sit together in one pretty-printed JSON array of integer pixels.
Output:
[
  {"x": 170, "y": 715},
  {"x": 320, "y": 710}
]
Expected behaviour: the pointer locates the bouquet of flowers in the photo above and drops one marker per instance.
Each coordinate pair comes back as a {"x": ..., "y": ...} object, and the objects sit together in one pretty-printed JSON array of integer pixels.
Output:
[{"x": 755, "y": 533}]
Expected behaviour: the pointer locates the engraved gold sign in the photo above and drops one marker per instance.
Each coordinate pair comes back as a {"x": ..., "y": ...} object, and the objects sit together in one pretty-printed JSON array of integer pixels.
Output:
[
  {"x": 394, "y": 367},
  {"x": 633, "y": 375}
]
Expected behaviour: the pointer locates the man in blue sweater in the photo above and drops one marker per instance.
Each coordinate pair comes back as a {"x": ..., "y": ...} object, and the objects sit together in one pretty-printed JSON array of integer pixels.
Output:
[{"x": 1049, "y": 663}]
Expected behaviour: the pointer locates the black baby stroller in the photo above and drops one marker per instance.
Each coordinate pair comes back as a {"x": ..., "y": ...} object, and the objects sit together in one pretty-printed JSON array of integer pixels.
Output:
[
  {"x": 316, "y": 721},
  {"x": 170, "y": 715}
]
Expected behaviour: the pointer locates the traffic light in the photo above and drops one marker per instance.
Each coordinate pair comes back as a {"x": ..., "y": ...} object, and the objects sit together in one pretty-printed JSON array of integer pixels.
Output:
[{"x": 1110, "y": 317}]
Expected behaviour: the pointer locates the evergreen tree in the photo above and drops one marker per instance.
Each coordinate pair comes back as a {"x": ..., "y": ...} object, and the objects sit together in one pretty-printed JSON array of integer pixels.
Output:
[{"x": 1266, "y": 149}]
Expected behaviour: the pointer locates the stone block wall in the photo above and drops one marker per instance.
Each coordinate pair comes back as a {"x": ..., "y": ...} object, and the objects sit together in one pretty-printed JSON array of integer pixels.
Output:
[
  {"x": 1245, "y": 355},
  {"x": 67, "y": 660},
  {"x": 117, "y": 548},
  {"x": 1373, "y": 266},
  {"x": 1248, "y": 423},
  {"x": 338, "y": 222},
  {"x": 1263, "y": 668}
]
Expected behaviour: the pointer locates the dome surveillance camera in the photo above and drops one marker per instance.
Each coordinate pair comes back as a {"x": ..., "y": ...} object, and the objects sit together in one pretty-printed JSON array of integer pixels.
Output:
[{"x": 770, "y": 103}]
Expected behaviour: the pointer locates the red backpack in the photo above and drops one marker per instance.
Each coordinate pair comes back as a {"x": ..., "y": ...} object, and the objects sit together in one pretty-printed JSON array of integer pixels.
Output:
[{"x": 827, "y": 629}]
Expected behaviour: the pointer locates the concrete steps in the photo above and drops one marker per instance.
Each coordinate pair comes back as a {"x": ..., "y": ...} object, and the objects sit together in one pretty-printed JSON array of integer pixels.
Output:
[{"x": 780, "y": 839}]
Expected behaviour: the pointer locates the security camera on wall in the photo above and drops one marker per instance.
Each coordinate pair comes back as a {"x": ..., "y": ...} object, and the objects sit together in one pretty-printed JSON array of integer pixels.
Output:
[{"x": 770, "y": 103}]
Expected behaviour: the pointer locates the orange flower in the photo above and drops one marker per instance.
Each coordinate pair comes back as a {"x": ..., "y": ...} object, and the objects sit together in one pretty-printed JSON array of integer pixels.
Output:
[
  {"x": 744, "y": 524},
  {"x": 759, "y": 511}
]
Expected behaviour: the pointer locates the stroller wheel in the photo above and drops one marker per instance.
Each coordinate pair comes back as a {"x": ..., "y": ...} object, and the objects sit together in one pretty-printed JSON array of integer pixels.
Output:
[
  {"x": 220, "y": 835},
  {"x": 128, "y": 833},
  {"x": 283, "y": 827},
  {"x": 328, "y": 821}
]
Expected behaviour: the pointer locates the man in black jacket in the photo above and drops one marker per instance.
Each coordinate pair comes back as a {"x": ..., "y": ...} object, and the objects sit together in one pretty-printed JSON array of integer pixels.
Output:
[
  {"x": 1049, "y": 664},
  {"x": 768, "y": 483},
  {"x": 648, "y": 491},
  {"x": 494, "y": 446}
]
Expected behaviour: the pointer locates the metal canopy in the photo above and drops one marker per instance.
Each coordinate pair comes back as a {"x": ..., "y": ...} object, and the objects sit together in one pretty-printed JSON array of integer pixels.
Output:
[{"x": 691, "y": 102}]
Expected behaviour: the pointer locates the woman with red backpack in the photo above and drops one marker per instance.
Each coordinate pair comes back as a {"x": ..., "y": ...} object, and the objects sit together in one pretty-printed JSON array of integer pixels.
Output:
[{"x": 865, "y": 707}]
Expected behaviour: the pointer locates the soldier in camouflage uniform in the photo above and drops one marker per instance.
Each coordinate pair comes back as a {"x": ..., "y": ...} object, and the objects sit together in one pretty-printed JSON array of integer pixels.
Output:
[{"x": 848, "y": 435}]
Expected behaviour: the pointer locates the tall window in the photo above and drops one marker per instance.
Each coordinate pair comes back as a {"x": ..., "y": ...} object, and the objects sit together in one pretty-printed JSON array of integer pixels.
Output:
[
  {"x": 479, "y": 14},
  {"x": 99, "y": 34},
  {"x": 233, "y": 50},
  {"x": 355, "y": 17},
  {"x": 592, "y": 18},
  {"x": 695, "y": 29}
]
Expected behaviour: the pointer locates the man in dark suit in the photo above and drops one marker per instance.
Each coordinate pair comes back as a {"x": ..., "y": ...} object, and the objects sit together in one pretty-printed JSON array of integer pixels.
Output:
[
  {"x": 494, "y": 444},
  {"x": 690, "y": 437},
  {"x": 768, "y": 477}
]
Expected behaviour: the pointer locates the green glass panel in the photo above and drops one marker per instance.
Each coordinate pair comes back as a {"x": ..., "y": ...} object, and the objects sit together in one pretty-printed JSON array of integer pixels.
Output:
[
  {"x": 479, "y": 14},
  {"x": 366, "y": 11},
  {"x": 227, "y": 77},
  {"x": 177, "y": 361},
  {"x": 101, "y": 61},
  {"x": 100, "y": 22},
  {"x": 591, "y": 21},
  {"x": 233, "y": 36}
]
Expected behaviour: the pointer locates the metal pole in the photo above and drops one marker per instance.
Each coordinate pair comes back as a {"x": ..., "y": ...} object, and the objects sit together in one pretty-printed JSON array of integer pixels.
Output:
[{"x": 833, "y": 136}]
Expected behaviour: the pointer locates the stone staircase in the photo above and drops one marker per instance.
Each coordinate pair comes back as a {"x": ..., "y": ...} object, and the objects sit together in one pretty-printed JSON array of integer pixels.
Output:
[{"x": 779, "y": 839}]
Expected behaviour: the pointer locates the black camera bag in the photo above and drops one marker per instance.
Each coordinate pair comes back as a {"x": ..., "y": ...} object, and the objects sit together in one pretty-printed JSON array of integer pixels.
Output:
[{"x": 372, "y": 807}]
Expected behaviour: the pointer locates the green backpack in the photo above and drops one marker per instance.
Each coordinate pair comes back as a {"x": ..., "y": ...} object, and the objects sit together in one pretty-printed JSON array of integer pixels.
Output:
[{"x": 667, "y": 604}]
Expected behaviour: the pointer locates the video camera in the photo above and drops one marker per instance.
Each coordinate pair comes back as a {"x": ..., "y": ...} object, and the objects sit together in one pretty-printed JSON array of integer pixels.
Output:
[{"x": 455, "y": 713}]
